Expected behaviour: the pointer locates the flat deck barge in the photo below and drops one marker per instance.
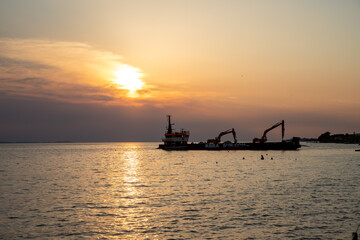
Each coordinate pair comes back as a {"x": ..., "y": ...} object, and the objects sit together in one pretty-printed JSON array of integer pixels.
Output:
[
  {"x": 284, "y": 145},
  {"x": 179, "y": 141}
]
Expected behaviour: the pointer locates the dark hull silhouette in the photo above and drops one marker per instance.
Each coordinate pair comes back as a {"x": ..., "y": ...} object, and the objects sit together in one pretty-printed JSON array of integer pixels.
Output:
[{"x": 292, "y": 144}]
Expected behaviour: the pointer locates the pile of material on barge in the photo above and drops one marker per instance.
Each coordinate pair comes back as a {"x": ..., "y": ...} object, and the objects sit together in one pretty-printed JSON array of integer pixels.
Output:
[{"x": 179, "y": 141}]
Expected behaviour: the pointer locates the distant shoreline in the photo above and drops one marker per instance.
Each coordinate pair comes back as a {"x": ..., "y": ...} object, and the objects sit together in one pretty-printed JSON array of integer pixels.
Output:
[
  {"x": 30, "y": 142},
  {"x": 4, "y": 142},
  {"x": 22, "y": 142}
]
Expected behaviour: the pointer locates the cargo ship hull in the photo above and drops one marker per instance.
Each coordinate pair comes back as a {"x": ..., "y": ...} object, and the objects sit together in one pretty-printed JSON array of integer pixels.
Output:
[{"x": 293, "y": 144}]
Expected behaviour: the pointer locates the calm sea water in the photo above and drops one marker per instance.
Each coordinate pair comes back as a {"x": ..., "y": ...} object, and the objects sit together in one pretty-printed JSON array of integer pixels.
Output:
[{"x": 135, "y": 191}]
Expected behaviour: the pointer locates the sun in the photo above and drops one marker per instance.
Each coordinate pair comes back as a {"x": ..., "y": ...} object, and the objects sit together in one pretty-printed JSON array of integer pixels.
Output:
[{"x": 129, "y": 78}]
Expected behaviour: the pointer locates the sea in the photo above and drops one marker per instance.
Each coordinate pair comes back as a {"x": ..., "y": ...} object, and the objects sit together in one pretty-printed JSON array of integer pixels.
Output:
[{"x": 136, "y": 191}]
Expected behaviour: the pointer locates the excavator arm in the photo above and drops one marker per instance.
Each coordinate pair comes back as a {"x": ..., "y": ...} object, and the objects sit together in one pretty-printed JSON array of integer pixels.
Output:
[
  {"x": 264, "y": 138},
  {"x": 218, "y": 138}
]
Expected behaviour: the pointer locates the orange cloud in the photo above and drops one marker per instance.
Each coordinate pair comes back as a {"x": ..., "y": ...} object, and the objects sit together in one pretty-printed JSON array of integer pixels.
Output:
[
  {"x": 67, "y": 71},
  {"x": 78, "y": 72}
]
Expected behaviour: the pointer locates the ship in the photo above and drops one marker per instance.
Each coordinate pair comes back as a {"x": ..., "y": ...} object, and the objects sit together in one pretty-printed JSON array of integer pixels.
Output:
[
  {"x": 175, "y": 140},
  {"x": 179, "y": 141}
]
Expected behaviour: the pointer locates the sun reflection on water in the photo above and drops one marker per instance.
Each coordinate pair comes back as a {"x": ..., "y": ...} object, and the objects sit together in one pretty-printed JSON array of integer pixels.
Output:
[
  {"x": 130, "y": 176},
  {"x": 130, "y": 199}
]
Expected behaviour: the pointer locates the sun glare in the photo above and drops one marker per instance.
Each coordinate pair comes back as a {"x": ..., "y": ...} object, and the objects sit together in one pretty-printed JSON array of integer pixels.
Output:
[{"x": 128, "y": 78}]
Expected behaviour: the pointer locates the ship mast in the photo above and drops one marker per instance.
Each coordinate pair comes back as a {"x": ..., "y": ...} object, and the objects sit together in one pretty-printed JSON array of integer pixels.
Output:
[{"x": 169, "y": 130}]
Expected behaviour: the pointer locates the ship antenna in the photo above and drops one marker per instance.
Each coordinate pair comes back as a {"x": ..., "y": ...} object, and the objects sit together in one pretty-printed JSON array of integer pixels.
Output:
[{"x": 169, "y": 130}]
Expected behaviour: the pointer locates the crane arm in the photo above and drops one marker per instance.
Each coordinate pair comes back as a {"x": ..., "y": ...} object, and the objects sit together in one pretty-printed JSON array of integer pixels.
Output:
[
  {"x": 275, "y": 126},
  {"x": 218, "y": 138},
  {"x": 234, "y": 135},
  {"x": 264, "y": 138}
]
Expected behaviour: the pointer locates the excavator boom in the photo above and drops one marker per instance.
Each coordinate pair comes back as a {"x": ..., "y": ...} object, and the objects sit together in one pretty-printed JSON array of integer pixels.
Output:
[
  {"x": 264, "y": 138},
  {"x": 218, "y": 138}
]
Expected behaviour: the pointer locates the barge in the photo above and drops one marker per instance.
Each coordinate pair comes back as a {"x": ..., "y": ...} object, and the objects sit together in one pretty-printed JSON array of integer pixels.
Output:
[{"x": 179, "y": 141}]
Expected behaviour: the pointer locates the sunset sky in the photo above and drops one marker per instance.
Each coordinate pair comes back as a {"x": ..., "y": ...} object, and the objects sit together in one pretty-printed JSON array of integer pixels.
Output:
[{"x": 111, "y": 70}]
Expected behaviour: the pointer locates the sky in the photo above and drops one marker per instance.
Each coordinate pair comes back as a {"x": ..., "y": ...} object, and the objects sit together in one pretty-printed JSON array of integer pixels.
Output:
[{"x": 112, "y": 70}]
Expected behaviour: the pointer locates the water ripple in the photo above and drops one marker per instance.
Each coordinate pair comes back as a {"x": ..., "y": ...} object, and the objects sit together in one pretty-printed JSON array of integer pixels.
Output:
[{"x": 134, "y": 191}]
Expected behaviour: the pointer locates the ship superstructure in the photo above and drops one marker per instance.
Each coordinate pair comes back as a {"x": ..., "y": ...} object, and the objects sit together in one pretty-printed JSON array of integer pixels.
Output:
[{"x": 173, "y": 138}]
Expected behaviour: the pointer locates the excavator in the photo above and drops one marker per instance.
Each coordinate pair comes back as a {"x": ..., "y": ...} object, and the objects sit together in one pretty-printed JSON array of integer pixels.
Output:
[
  {"x": 263, "y": 139},
  {"x": 218, "y": 138}
]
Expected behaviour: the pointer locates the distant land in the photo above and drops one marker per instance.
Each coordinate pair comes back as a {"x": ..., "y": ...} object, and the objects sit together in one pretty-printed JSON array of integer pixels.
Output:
[
  {"x": 339, "y": 138},
  {"x": 309, "y": 140}
]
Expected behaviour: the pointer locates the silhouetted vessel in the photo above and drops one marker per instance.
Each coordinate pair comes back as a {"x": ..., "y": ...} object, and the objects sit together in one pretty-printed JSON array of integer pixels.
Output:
[
  {"x": 179, "y": 141},
  {"x": 175, "y": 140}
]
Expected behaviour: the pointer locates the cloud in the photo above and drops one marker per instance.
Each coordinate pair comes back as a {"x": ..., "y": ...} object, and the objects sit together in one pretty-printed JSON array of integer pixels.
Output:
[
  {"x": 7, "y": 64},
  {"x": 78, "y": 72},
  {"x": 65, "y": 71}
]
